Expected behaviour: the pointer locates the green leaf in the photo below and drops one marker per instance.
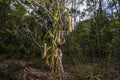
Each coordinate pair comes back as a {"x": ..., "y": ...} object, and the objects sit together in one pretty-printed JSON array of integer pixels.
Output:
[
  {"x": 45, "y": 35},
  {"x": 51, "y": 34},
  {"x": 8, "y": 30},
  {"x": 98, "y": 77},
  {"x": 7, "y": 2},
  {"x": 49, "y": 48},
  {"x": 29, "y": 1},
  {"x": 0, "y": 0},
  {"x": 54, "y": 42}
]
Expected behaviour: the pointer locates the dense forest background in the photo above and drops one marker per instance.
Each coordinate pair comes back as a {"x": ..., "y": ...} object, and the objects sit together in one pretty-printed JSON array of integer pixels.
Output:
[{"x": 26, "y": 25}]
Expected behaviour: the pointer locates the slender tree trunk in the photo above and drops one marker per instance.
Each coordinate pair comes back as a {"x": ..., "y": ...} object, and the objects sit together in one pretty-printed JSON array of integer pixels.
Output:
[{"x": 117, "y": 8}]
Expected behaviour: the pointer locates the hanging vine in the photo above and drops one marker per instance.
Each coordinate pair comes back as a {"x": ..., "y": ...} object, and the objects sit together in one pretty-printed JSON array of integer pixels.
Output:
[
  {"x": 52, "y": 49},
  {"x": 53, "y": 53}
]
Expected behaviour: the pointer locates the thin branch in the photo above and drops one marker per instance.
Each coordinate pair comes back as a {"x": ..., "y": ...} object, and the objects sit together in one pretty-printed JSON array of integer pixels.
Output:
[
  {"x": 31, "y": 36},
  {"x": 46, "y": 10},
  {"x": 58, "y": 5}
]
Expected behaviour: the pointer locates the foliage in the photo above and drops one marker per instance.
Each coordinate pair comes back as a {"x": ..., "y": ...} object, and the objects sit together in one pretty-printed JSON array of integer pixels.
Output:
[{"x": 37, "y": 28}]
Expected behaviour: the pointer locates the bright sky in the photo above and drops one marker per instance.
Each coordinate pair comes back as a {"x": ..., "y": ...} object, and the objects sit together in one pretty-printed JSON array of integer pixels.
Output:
[{"x": 78, "y": 6}]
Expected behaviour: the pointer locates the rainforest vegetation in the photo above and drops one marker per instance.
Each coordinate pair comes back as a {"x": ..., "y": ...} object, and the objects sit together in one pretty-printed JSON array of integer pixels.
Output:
[{"x": 59, "y": 39}]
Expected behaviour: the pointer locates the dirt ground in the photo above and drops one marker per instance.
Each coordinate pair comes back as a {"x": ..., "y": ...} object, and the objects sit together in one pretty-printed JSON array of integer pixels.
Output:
[
  {"x": 35, "y": 69},
  {"x": 21, "y": 69}
]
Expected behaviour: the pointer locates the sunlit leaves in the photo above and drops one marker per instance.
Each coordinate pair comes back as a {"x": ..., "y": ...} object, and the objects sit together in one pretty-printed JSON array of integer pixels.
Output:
[{"x": 8, "y": 31}]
